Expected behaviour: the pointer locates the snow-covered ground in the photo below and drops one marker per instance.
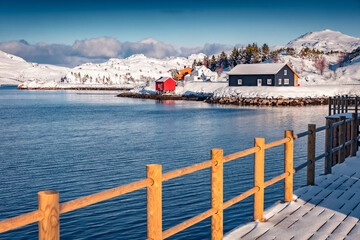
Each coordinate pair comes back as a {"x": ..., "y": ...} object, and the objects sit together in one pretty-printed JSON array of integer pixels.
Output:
[
  {"x": 15, "y": 70},
  {"x": 328, "y": 210}
]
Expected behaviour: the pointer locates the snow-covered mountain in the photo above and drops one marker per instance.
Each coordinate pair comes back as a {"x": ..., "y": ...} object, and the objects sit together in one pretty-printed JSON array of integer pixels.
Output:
[
  {"x": 134, "y": 69},
  {"x": 15, "y": 70},
  {"x": 326, "y": 41}
]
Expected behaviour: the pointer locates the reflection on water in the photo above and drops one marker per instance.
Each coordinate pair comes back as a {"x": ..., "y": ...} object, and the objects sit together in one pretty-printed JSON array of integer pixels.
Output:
[{"x": 79, "y": 143}]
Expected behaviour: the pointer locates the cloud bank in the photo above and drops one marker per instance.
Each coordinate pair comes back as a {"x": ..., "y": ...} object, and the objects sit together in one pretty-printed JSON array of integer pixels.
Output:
[{"x": 100, "y": 49}]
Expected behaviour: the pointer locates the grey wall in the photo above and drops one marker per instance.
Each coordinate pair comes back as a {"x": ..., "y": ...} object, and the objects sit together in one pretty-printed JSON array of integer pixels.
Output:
[
  {"x": 250, "y": 80},
  {"x": 280, "y": 74}
]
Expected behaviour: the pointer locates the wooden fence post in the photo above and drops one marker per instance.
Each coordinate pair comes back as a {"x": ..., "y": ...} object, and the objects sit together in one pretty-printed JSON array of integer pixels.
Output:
[
  {"x": 354, "y": 135},
  {"x": 329, "y": 106},
  {"x": 289, "y": 155},
  {"x": 259, "y": 158},
  {"x": 328, "y": 141},
  {"x": 217, "y": 194},
  {"x": 341, "y": 152},
  {"x": 49, "y": 227},
  {"x": 154, "y": 202},
  {"x": 311, "y": 155}
]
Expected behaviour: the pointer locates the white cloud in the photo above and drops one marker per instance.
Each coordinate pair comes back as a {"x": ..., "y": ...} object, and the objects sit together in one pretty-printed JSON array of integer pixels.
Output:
[
  {"x": 101, "y": 49},
  {"x": 97, "y": 47}
]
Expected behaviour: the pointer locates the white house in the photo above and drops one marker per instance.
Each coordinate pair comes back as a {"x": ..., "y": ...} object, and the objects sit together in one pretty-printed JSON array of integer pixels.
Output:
[{"x": 201, "y": 74}]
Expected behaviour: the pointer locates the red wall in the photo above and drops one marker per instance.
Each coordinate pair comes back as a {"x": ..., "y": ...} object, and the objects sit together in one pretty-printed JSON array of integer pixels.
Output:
[{"x": 168, "y": 85}]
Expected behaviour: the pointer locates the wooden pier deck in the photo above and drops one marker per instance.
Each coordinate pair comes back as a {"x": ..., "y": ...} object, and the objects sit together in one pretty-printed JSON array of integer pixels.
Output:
[{"x": 328, "y": 210}]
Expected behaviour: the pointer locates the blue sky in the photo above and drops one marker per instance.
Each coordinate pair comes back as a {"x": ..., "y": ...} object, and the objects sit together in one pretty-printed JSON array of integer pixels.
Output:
[{"x": 182, "y": 23}]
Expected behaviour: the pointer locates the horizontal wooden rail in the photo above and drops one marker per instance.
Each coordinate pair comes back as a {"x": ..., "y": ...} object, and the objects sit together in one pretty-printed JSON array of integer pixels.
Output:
[
  {"x": 241, "y": 154},
  {"x": 319, "y": 129},
  {"x": 276, "y": 179},
  {"x": 21, "y": 220},
  {"x": 325, "y": 154},
  {"x": 303, "y": 165},
  {"x": 337, "y": 148},
  {"x": 277, "y": 143},
  {"x": 338, "y": 123},
  {"x": 104, "y": 195},
  {"x": 303, "y": 134},
  {"x": 188, "y": 223},
  {"x": 240, "y": 197},
  {"x": 186, "y": 170}
]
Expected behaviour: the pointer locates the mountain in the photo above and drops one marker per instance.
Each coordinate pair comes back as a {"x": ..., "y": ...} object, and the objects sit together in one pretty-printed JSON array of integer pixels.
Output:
[
  {"x": 15, "y": 70},
  {"x": 326, "y": 41},
  {"x": 132, "y": 70}
]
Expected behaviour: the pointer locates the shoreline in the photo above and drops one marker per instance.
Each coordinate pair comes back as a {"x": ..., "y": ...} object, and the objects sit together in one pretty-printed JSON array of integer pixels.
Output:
[
  {"x": 161, "y": 97},
  {"x": 256, "y": 101},
  {"x": 78, "y": 88}
]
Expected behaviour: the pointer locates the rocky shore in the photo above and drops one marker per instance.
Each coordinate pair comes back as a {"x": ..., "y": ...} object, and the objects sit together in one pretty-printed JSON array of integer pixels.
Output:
[{"x": 297, "y": 101}]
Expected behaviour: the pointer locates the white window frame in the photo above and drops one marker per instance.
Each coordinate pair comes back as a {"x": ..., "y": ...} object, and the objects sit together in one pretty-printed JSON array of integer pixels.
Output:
[
  {"x": 280, "y": 81},
  {"x": 269, "y": 81},
  {"x": 285, "y": 72},
  {"x": 286, "y": 81},
  {"x": 259, "y": 80},
  {"x": 239, "y": 82}
]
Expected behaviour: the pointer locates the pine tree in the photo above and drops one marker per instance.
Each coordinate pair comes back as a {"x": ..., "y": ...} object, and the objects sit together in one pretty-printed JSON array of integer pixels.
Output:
[
  {"x": 265, "y": 49},
  {"x": 234, "y": 57},
  {"x": 213, "y": 63}
]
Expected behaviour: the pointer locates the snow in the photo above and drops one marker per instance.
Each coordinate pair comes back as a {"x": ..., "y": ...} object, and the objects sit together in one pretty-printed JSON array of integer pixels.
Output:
[
  {"x": 15, "y": 70},
  {"x": 266, "y": 68},
  {"x": 328, "y": 210},
  {"x": 326, "y": 41}
]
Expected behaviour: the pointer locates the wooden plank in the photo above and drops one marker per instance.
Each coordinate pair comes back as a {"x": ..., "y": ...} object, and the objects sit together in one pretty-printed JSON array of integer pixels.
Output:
[{"x": 343, "y": 229}]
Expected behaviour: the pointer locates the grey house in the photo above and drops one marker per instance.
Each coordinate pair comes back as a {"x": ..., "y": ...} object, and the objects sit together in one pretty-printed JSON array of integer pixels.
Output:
[{"x": 263, "y": 74}]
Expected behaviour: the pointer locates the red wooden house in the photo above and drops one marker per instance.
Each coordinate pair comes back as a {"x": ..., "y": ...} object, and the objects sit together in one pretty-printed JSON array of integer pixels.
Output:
[{"x": 165, "y": 84}]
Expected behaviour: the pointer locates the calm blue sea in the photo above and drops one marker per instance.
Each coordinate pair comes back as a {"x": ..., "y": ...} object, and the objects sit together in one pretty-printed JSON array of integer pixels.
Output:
[{"x": 79, "y": 143}]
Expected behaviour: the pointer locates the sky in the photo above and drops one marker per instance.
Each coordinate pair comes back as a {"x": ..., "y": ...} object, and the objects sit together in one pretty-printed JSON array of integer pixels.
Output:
[{"x": 181, "y": 27}]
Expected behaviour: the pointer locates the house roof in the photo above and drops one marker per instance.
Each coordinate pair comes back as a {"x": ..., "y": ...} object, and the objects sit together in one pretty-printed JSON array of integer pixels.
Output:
[
  {"x": 255, "y": 69},
  {"x": 163, "y": 79},
  {"x": 185, "y": 70}
]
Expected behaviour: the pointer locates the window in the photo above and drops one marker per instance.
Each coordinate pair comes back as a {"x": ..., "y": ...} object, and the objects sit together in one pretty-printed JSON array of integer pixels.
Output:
[
  {"x": 286, "y": 81},
  {"x": 285, "y": 72},
  {"x": 279, "y": 81},
  {"x": 269, "y": 82},
  {"x": 239, "y": 82}
]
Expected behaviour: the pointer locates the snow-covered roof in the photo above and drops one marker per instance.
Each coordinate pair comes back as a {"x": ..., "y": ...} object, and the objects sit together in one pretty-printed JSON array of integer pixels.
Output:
[
  {"x": 254, "y": 69},
  {"x": 163, "y": 79}
]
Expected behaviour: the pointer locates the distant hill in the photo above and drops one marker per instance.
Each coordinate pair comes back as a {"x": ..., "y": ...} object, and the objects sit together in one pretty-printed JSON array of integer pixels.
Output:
[
  {"x": 326, "y": 41},
  {"x": 15, "y": 70}
]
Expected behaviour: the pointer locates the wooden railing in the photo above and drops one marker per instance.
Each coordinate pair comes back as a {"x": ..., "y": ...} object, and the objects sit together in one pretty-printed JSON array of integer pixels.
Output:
[
  {"x": 49, "y": 208},
  {"x": 343, "y": 104}
]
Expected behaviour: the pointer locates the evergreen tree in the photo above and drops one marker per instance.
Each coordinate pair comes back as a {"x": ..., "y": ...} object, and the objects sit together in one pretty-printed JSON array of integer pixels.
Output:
[
  {"x": 224, "y": 60},
  {"x": 265, "y": 49},
  {"x": 234, "y": 57},
  {"x": 213, "y": 63}
]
